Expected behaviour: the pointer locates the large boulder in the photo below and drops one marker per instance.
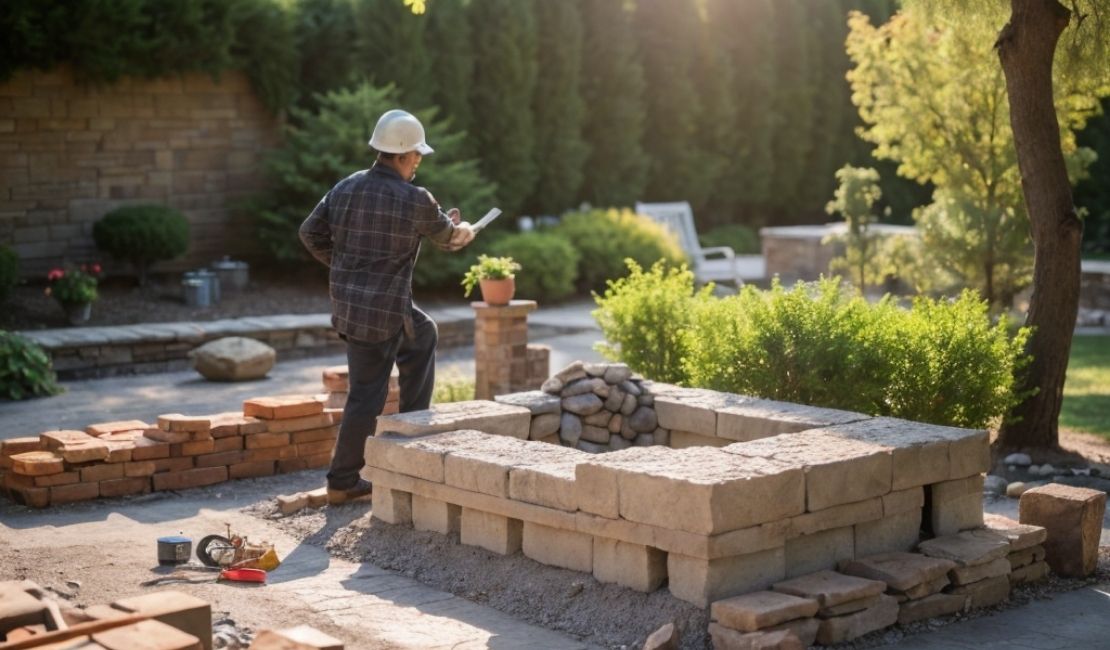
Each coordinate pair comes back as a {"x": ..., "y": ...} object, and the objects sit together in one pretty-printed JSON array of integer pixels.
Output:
[{"x": 233, "y": 358}]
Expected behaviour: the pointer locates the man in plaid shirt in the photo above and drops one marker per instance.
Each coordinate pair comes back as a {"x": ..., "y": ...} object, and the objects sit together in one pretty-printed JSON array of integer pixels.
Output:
[{"x": 367, "y": 231}]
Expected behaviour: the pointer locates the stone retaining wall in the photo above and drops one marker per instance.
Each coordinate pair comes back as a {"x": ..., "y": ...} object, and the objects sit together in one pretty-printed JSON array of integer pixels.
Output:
[{"x": 783, "y": 490}]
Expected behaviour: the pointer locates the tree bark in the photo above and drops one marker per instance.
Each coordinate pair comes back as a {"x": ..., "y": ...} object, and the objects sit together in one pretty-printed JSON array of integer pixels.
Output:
[{"x": 1026, "y": 48}]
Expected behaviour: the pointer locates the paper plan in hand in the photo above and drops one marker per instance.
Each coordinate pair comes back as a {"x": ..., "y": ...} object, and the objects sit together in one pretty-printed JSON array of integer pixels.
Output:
[{"x": 487, "y": 220}]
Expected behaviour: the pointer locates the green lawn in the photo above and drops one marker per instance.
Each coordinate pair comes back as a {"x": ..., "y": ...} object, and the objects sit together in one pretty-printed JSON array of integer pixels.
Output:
[{"x": 1087, "y": 391}]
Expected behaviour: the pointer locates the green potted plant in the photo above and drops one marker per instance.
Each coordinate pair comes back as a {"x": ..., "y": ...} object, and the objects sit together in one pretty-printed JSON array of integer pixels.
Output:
[
  {"x": 496, "y": 277},
  {"x": 75, "y": 290}
]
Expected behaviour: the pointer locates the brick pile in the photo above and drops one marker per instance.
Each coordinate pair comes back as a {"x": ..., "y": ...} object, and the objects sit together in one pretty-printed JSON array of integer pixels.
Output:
[{"x": 337, "y": 386}]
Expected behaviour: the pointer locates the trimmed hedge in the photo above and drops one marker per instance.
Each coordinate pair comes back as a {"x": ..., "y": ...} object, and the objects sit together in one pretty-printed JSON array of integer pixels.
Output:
[
  {"x": 142, "y": 235},
  {"x": 604, "y": 239},
  {"x": 549, "y": 264}
]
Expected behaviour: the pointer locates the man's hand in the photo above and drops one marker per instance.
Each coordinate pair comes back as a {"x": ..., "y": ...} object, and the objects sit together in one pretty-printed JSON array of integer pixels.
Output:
[
  {"x": 455, "y": 215},
  {"x": 463, "y": 235}
]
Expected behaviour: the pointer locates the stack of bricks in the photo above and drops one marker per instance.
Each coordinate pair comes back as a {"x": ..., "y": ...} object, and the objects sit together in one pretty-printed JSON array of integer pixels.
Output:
[
  {"x": 503, "y": 360},
  {"x": 271, "y": 435},
  {"x": 849, "y": 606},
  {"x": 982, "y": 571},
  {"x": 337, "y": 385},
  {"x": 915, "y": 581}
]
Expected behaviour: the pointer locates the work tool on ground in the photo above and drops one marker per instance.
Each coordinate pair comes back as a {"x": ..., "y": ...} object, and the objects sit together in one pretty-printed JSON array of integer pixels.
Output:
[{"x": 236, "y": 552}]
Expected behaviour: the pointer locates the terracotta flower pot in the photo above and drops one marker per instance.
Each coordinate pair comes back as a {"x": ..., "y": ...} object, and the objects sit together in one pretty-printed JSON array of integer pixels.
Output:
[{"x": 498, "y": 292}]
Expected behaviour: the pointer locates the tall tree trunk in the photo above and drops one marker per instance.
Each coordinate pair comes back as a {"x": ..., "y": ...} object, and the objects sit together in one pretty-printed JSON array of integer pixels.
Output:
[{"x": 1026, "y": 47}]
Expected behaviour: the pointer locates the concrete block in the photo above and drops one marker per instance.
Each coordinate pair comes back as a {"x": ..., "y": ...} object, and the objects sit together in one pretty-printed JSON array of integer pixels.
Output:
[
  {"x": 488, "y": 417},
  {"x": 174, "y": 608},
  {"x": 1072, "y": 517},
  {"x": 435, "y": 515},
  {"x": 484, "y": 465},
  {"x": 817, "y": 551},
  {"x": 686, "y": 439},
  {"x": 852, "y": 626},
  {"x": 548, "y": 484},
  {"x": 702, "y": 581},
  {"x": 837, "y": 470},
  {"x": 920, "y": 453},
  {"x": 557, "y": 547},
  {"x": 392, "y": 506},
  {"x": 690, "y": 409},
  {"x": 595, "y": 480},
  {"x": 959, "y": 514},
  {"x": 635, "y": 566},
  {"x": 985, "y": 593},
  {"x": 761, "y": 609},
  {"x": 421, "y": 457},
  {"x": 895, "y": 533},
  {"x": 763, "y": 418},
  {"x": 495, "y": 533}
]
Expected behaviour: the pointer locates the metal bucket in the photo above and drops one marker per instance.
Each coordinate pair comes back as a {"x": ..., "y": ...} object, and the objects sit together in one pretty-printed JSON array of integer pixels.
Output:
[
  {"x": 195, "y": 292},
  {"x": 234, "y": 275},
  {"x": 174, "y": 549},
  {"x": 211, "y": 283}
]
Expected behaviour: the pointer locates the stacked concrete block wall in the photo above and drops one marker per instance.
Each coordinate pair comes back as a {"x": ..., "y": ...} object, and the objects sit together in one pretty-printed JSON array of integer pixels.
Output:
[
  {"x": 71, "y": 152},
  {"x": 803, "y": 490},
  {"x": 270, "y": 435}
]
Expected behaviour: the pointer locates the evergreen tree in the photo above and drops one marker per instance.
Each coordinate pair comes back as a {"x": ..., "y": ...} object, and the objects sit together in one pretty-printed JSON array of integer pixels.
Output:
[
  {"x": 448, "y": 38},
  {"x": 668, "y": 31},
  {"x": 320, "y": 25},
  {"x": 558, "y": 107},
  {"x": 613, "y": 89},
  {"x": 504, "y": 83},
  {"x": 718, "y": 137},
  {"x": 1093, "y": 193},
  {"x": 388, "y": 46},
  {"x": 793, "y": 106}
]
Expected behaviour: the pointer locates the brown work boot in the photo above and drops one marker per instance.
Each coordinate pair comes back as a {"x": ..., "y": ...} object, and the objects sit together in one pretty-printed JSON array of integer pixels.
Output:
[{"x": 361, "y": 489}]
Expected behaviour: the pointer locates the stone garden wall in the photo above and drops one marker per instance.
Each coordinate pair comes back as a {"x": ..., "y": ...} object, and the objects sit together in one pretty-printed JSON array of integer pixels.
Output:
[{"x": 71, "y": 152}]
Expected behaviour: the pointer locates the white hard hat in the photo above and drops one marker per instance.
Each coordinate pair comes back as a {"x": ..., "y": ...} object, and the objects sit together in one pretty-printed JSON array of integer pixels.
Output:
[{"x": 399, "y": 132}]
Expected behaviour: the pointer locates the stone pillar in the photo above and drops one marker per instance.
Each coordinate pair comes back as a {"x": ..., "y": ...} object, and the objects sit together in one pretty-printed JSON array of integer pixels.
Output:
[{"x": 500, "y": 347}]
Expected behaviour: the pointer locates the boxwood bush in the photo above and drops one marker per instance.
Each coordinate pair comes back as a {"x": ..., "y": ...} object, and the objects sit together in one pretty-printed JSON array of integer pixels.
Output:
[
  {"x": 940, "y": 361},
  {"x": 604, "y": 239},
  {"x": 9, "y": 272},
  {"x": 741, "y": 239},
  {"x": 549, "y": 264},
  {"x": 142, "y": 235},
  {"x": 25, "y": 369}
]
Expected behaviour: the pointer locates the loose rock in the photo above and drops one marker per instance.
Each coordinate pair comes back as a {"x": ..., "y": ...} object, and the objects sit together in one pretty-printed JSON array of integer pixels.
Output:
[
  {"x": 643, "y": 420},
  {"x": 233, "y": 358},
  {"x": 1021, "y": 460},
  {"x": 617, "y": 373},
  {"x": 587, "y": 404}
]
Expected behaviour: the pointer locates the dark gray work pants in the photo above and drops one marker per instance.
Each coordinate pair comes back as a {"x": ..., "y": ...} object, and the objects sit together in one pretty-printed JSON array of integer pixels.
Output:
[{"x": 368, "y": 367}]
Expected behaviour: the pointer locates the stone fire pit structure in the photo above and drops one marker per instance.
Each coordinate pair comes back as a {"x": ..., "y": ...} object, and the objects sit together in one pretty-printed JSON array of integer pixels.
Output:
[{"x": 721, "y": 495}]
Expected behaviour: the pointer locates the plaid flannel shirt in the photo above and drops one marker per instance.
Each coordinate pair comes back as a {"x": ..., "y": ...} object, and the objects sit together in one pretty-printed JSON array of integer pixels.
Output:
[{"x": 367, "y": 231}]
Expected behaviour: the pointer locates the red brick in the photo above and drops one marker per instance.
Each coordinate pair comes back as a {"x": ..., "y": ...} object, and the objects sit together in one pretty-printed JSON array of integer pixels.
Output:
[
  {"x": 65, "y": 478},
  {"x": 251, "y": 469},
  {"x": 227, "y": 444},
  {"x": 136, "y": 469},
  {"x": 290, "y": 406},
  {"x": 37, "y": 463},
  {"x": 315, "y": 435},
  {"x": 190, "y": 478},
  {"x": 222, "y": 458},
  {"x": 194, "y": 448},
  {"x": 272, "y": 453},
  {"x": 33, "y": 497},
  {"x": 119, "y": 452},
  {"x": 305, "y": 423},
  {"x": 83, "y": 452},
  {"x": 123, "y": 486},
  {"x": 201, "y": 424},
  {"x": 318, "y": 461},
  {"x": 172, "y": 437},
  {"x": 75, "y": 492},
  {"x": 58, "y": 439},
  {"x": 13, "y": 446},
  {"x": 287, "y": 465},
  {"x": 313, "y": 448},
  {"x": 101, "y": 472},
  {"x": 147, "y": 449},
  {"x": 113, "y": 427},
  {"x": 266, "y": 440},
  {"x": 173, "y": 464},
  {"x": 13, "y": 481},
  {"x": 226, "y": 424},
  {"x": 252, "y": 425}
]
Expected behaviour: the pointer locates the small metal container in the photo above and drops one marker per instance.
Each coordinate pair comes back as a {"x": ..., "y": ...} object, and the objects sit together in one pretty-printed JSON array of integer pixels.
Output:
[
  {"x": 234, "y": 275},
  {"x": 195, "y": 292},
  {"x": 174, "y": 549},
  {"x": 211, "y": 283}
]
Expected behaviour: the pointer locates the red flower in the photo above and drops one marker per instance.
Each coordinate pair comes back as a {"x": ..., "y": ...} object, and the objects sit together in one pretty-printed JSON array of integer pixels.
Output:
[
  {"x": 55, "y": 274},
  {"x": 96, "y": 268}
]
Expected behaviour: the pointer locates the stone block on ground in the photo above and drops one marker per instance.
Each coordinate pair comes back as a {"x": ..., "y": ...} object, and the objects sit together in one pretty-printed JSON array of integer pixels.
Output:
[
  {"x": 764, "y": 418},
  {"x": 595, "y": 482},
  {"x": 1072, "y": 517},
  {"x": 536, "y": 401},
  {"x": 850, "y": 607},
  {"x": 932, "y": 606},
  {"x": 956, "y": 505},
  {"x": 830, "y": 588},
  {"x": 822, "y": 550},
  {"x": 495, "y": 533},
  {"x": 486, "y": 416},
  {"x": 1021, "y": 536},
  {"x": 968, "y": 548},
  {"x": 984, "y": 593},
  {"x": 728, "y": 639},
  {"x": 392, "y": 506},
  {"x": 967, "y": 575},
  {"x": 701, "y": 581},
  {"x": 291, "y": 503},
  {"x": 435, "y": 515},
  {"x": 761, "y": 609},
  {"x": 174, "y": 608},
  {"x": 1033, "y": 572},
  {"x": 566, "y": 549},
  {"x": 837, "y": 470},
  {"x": 635, "y": 566},
  {"x": 805, "y": 629},
  {"x": 233, "y": 358},
  {"x": 845, "y": 628},
  {"x": 1025, "y": 556},
  {"x": 900, "y": 571},
  {"x": 149, "y": 635}
]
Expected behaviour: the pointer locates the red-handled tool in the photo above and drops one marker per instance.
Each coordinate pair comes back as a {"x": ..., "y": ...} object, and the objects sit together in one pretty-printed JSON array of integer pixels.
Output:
[{"x": 243, "y": 575}]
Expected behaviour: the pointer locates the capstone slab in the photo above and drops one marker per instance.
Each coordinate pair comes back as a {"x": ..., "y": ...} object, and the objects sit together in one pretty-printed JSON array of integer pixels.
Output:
[
  {"x": 479, "y": 415},
  {"x": 830, "y": 588},
  {"x": 764, "y": 418},
  {"x": 968, "y": 548},
  {"x": 900, "y": 571},
  {"x": 761, "y": 609}
]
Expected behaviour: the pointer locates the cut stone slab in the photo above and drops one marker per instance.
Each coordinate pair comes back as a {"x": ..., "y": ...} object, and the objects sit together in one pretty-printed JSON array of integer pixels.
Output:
[
  {"x": 435, "y": 515},
  {"x": 852, "y": 626},
  {"x": 566, "y": 549},
  {"x": 931, "y": 607},
  {"x": 1072, "y": 517},
  {"x": 1025, "y": 557},
  {"x": 233, "y": 358},
  {"x": 595, "y": 483},
  {"x": 764, "y": 418},
  {"x": 546, "y": 484},
  {"x": 701, "y": 582},
  {"x": 837, "y": 470},
  {"x": 967, "y": 575},
  {"x": 761, "y": 609},
  {"x": 690, "y": 409},
  {"x": 495, "y": 533},
  {"x": 483, "y": 465},
  {"x": 900, "y": 571},
  {"x": 728, "y": 639},
  {"x": 479, "y": 415},
  {"x": 1029, "y": 573},
  {"x": 1021, "y": 536},
  {"x": 809, "y": 553},
  {"x": 421, "y": 457},
  {"x": 803, "y": 628},
  {"x": 849, "y": 607},
  {"x": 968, "y": 548},
  {"x": 830, "y": 588},
  {"x": 958, "y": 514},
  {"x": 984, "y": 593}
]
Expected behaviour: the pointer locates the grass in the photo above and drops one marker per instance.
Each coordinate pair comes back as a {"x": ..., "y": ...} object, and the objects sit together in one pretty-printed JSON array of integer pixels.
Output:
[{"x": 1086, "y": 405}]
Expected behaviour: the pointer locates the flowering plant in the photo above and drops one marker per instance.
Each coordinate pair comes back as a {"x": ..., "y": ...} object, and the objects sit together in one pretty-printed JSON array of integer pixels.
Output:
[{"x": 73, "y": 286}]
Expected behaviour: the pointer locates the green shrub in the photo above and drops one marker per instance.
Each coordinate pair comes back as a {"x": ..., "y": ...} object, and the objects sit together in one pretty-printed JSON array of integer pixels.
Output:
[
  {"x": 453, "y": 386},
  {"x": 741, "y": 239},
  {"x": 142, "y": 235},
  {"x": 940, "y": 361},
  {"x": 324, "y": 146},
  {"x": 644, "y": 317},
  {"x": 9, "y": 271},
  {"x": 605, "y": 238},
  {"x": 548, "y": 261},
  {"x": 25, "y": 370}
]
